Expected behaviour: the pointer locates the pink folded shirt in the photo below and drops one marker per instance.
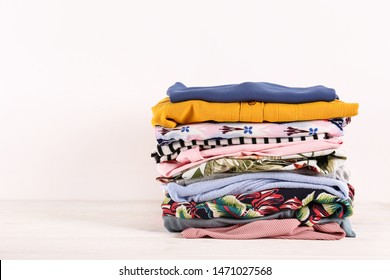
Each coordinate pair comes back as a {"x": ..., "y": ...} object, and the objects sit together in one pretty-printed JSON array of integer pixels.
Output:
[
  {"x": 279, "y": 229},
  {"x": 193, "y": 157}
]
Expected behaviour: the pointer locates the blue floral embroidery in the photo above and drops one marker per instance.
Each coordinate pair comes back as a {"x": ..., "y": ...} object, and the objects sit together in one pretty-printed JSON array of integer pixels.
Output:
[
  {"x": 247, "y": 129},
  {"x": 313, "y": 131},
  {"x": 185, "y": 129}
]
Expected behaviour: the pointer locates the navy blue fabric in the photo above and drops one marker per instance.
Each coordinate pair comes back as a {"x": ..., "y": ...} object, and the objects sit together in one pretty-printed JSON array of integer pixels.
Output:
[{"x": 250, "y": 91}]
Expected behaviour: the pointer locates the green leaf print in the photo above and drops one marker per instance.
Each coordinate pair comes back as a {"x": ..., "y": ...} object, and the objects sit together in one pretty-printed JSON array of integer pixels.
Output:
[
  {"x": 244, "y": 165},
  {"x": 303, "y": 213},
  {"x": 216, "y": 166},
  {"x": 226, "y": 206},
  {"x": 250, "y": 214},
  {"x": 182, "y": 212},
  {"x": 309, "y": 198},
  {"x": 166, "y": 200},
  {"x": 197, "y": 174},
  {"x": 228, "y": 162},
  {"x": 330, "y": 208},
  {"x": 349, "y": 209},
  {"x": 326, "y": 198}
]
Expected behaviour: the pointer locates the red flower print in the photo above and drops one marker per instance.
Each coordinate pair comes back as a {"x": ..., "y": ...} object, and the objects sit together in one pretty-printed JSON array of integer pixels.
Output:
[
  {"x": 292, "y": 203},
  {"x": 265, "y": 202},
  {"x": 169, "y": 209}
]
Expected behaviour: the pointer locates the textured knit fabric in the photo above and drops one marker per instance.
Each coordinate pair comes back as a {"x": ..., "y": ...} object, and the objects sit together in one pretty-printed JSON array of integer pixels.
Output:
[
  {"x": 190, "y": 158},
  {"x": 172, "y": 150},
  {"x": 169, "y": 114},
  {"x": 310, "y": 205},
  {"x": 251, "y": 91},
  {"x": 202, "y": 131},
  {"x": 174, "y": 224},
  {"x": 342, "y": 174},
  {"x": 328, "y": 164},
  {"x": 254, "y": 182},
  {"x": 279, "y": 229}
]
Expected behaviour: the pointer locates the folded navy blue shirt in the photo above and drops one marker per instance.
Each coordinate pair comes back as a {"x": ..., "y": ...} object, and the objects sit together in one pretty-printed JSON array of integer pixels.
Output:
[{"x": 250, "y": 91}]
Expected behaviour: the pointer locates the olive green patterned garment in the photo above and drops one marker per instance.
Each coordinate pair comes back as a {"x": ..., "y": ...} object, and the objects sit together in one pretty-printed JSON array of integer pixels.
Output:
[{"x": 322, "y": 162}]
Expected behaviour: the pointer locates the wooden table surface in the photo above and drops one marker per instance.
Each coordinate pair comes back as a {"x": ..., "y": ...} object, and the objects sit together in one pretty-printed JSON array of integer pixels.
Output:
[{"x": 134, "y": 230}]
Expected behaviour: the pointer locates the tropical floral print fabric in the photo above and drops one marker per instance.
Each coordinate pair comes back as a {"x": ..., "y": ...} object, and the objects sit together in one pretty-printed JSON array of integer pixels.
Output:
[
  {"x": 322, "y": 164},
  {"x": 310, "y": 206}
]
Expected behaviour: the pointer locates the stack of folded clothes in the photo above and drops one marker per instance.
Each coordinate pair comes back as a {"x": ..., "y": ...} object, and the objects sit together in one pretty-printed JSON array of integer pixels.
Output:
[{"x": 254, "y": 160}]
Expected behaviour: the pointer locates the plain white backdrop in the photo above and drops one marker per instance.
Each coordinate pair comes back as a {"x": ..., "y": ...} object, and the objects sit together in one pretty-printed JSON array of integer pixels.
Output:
[{"x": 78, "y": 78}]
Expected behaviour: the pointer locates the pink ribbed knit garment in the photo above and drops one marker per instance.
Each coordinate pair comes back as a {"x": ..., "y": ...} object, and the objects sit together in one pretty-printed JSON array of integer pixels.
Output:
[
  {"x": 194, "y": 157},
  {"x": 279, "y": 229}
]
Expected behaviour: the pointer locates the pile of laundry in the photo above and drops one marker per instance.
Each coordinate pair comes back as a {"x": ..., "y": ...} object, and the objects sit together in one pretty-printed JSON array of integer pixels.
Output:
[{"x": 254, "y": 160}]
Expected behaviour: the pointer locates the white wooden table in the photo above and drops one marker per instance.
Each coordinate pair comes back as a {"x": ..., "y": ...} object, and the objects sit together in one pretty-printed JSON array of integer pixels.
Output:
[{"x": 134, "y": 230}]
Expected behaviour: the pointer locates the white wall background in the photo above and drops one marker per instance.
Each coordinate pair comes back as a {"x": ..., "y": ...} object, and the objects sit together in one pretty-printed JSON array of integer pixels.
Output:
[{"x": 78, "y": 78}]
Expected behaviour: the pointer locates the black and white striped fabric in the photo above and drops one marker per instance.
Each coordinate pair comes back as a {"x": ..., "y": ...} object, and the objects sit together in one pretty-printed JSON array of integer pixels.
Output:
[{"x": 172, "y": 150}]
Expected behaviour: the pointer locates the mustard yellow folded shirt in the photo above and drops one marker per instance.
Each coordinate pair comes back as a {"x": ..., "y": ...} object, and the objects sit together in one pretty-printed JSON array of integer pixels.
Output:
[{"x": 169, "y": 114}]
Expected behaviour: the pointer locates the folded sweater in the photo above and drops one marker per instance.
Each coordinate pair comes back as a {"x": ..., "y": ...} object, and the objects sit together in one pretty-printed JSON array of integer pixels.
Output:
[
  {"x": 169, "y": 114},
  {"x": 251, "y": 91},
  {"x": 278, "y": 229},
  {"x": 254, "y": 182},
  {"x": 174, "y": 224}
]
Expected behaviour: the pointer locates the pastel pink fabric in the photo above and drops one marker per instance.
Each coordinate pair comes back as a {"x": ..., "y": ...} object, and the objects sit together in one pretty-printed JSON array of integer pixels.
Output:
[
  {"x": 278, "y": 229},
  {"x": 193, "y": 157},
  {"x": 202, "y": 131}
]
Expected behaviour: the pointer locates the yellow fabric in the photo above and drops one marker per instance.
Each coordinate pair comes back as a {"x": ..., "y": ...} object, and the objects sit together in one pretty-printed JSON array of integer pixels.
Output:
[{"x": 169, "y": 114}]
